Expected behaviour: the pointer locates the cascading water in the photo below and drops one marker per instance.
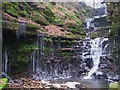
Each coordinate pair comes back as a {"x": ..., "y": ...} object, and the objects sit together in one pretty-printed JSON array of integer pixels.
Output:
[
  {"x": 5, "y": 61},
  {"x": 21, "y": 30},
  {"x": 88, "y": 22},
  {"x": 105, "y": 8},
  {"x": 96, "y": 47},
  {"x": 96, "y": 52}
]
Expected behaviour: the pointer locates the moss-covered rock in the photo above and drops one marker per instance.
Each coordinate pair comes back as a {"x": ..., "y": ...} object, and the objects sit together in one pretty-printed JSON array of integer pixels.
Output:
[
  {"x": 93, "y": 35},
  {"x": 49, "y": 15},
  {"x": 32, "y": 26},
  {"x": 114, "y": 85},
  {"x": 59, "y": 23},
  {"x": 40, "y": 19},
  {"x": 11, "y": 8}
]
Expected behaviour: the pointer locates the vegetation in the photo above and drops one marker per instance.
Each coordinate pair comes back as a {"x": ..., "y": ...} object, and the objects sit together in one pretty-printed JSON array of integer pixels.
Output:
[
  {"x": 3, "y": 83},
  {"x": 115, "y": 85},
  {"x": 114, "y": 18},
  {"x": 115, "y": 31},
  {"x": 43, "y": 14},
  {"x": 30, "y": 26}
]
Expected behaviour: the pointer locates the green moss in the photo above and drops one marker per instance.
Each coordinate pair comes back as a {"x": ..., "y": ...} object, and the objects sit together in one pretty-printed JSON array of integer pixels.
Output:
[
  {"x": 11, "y": 8},
  {"x": 93, "y": 35},
  {"x": 83, "y": 10},
  {"x": 59, "y": 22},
  {"x": 40, "y": 19},
  {"x": 23, "y": 58},
  {"x": 49, "y": 15},
  {"x": 47, "y": 39},
  {"x": 27, "y": 48},
  {"x": 115, "y": 30},
  {"x": 73, "y": 17},
  {"x": 114, "y": 85},
  {"x": 29, "y": 32},
  {"x": 32, "y": 26},
  {"x": 4, "y": 84},
  {"x": 71, "y": 25},
  {"x": 79, "y": 23},
  {"x": 75, "y": 28},
  {"x": 24, "y": 14},
  {"x": 24, "y": 52},
  {"x": 62, "y": 9}
]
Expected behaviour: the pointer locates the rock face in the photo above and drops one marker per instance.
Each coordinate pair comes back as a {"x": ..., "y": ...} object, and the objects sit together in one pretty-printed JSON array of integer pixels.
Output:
[{"x": 39, "y": 15}]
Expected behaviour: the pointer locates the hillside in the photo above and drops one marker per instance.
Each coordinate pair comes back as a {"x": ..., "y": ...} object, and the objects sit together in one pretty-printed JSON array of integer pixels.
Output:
[{"x": 59, "y": 19}]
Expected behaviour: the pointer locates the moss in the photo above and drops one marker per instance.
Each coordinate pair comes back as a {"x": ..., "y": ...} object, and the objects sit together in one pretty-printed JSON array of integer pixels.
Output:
[
  {"x": 32, "y": 26},
  {"x": 93, "y": 35},
  {"x": 24, "y": 51},
  {"x": 73, "y": 17},
  {"x": 49, "y": 15},
  {"x": 29, "y": 32},
  {"x": 24, "y": 14},
  {"x": 4, "y": 84},
  {"x": 75, "y": 28},
  {"x": 59, "y": 22},
  {"x": 114, "y": 85},
  {"x": 40, "y": 19},
  {"x": 27, "y": 48},
  {"x": 71, "y": 25},
  {"x": 47, "y": 39},
  {"x": 62, "y": 9},
  {"x": 10, "y": 25},
  {"x": 83, "y": 10},
  {"x": 114, "y": 30},
  {"x": 79, "y": 23},
  {"x": 11, "y": 8}
]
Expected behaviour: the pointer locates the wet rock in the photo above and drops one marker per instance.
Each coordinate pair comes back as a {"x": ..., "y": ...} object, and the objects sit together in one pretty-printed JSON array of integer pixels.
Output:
[
  {"x": 113, "y": 78},
  {"x": 100, "y": 75},
  {"x": 89, "y": 62}
]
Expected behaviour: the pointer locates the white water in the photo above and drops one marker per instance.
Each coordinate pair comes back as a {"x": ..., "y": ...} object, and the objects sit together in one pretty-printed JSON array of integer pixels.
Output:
[
  {"x": 6, "y": 62},
  {"x": 96, "y": 52},
  {"x": 88, "y": 22},
  {"x": 96, "y": 49}
]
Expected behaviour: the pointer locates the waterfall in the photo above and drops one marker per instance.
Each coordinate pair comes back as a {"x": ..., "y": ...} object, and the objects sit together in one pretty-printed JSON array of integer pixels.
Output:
[
  {"x": 5, "y": 61},
  {"x": 52, "y": 49},
  {"x": 88, "y": 22},
  {"x": 21, "y": 30},
  {"x": 33, "y": 58},
  {"x": 105, "y": 8},
  {"x": 38, "y": 58},
  {"x": 98, "y": 46},
  {"x": 59, "y": 42},
  {"x": 96, "y": 52}
]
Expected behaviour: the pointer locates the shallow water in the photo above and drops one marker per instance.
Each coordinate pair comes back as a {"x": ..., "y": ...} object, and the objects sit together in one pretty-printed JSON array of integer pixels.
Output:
[{"x": 90, "y": 83}]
